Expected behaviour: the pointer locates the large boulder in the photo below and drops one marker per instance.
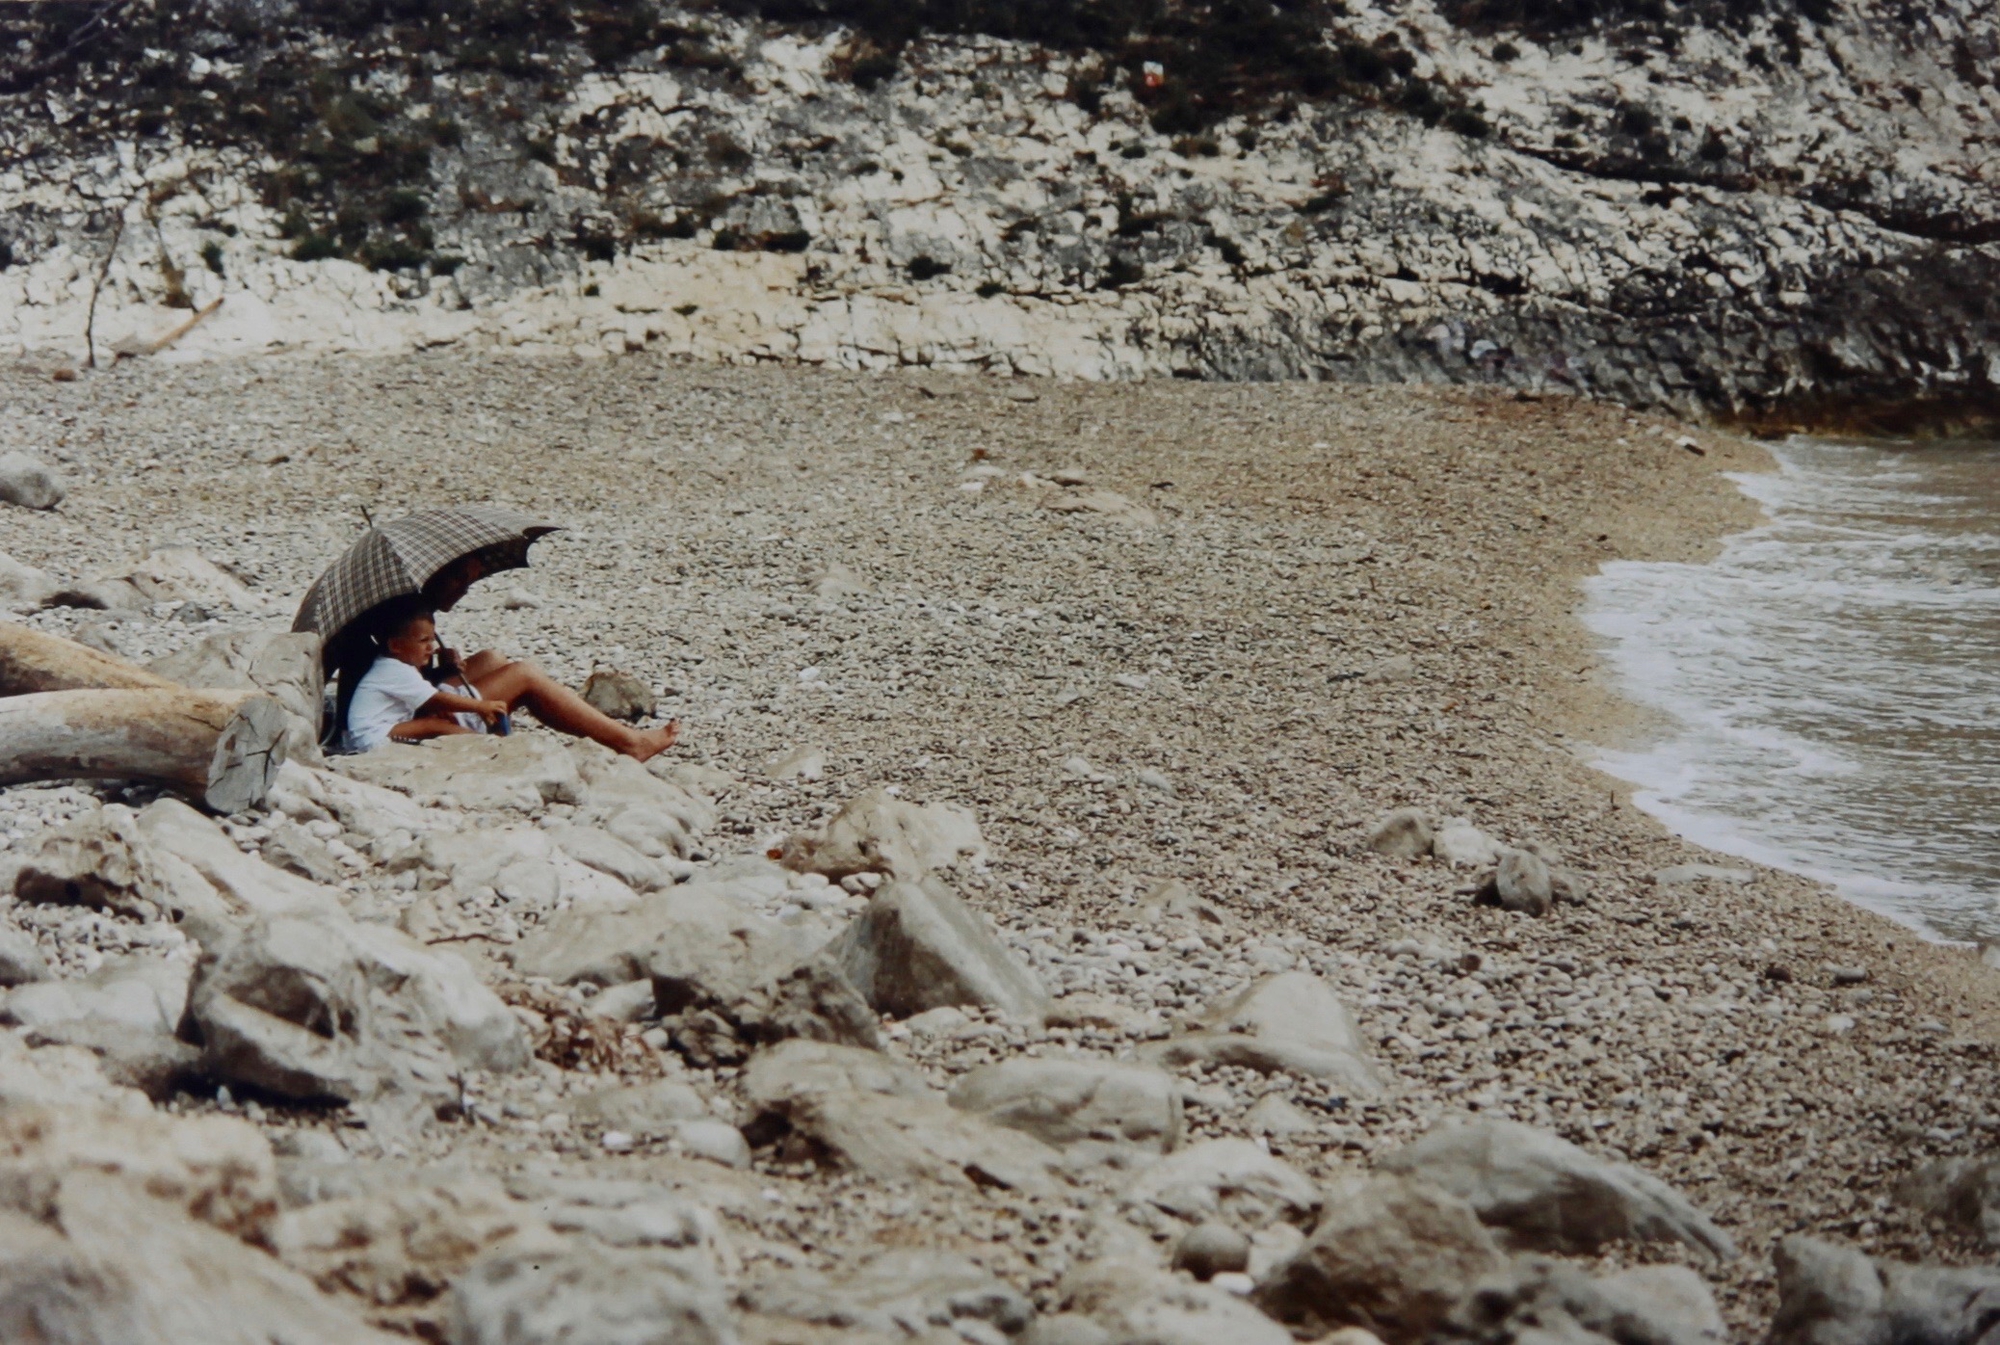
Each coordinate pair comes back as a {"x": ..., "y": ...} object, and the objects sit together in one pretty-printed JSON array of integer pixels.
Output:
[
  {"x": 614, "y": 783},
  {"x": 213, "y": 1169},
  {"x": 525, "y": 865},
  {"x": 397, "y": 1245},
  {"x": 482, "y": 772},
  {"x": 247, "y": 886},
  {"x": 1461, "y": 845},
  {"x": 370, "y": 812},
  {"x": 919, "y": 947},
  {"x": 622, "y": 1212},
  {"x": 1389, "y": 1255},
  {"x": 1130, "y": 1301},
  {"x": 867, "y": 1112},
  {"x": 1291, "y": 1022},
  {"x": 604, "y": 946},
  {"x": 107, "y": 1262},
  {"x": 1547, "y": 1195},
  {"x": 600, "y": 1295},
  {"x": 136, "y": 994},
  {"x": 21, "y": 960},
  {"x": 58, "y": 1076},
  {"x": 596, "y": 947},
  {"x": 126, "y": 1013},
  {"x": 727, "y": 979},
  {"x": 156, "y": 1063},
  {"x": 903, "y": 1294},
  {"x": 292, "y": 848},
  {"x": 652, "y": 832},
  {"x": 1403, "y": 834},
  {"x": 1673, "y": 1298},
  {"x": 710, "y": 949},
  {"x": 876, "y": 832},
  {"x": 1834, "y": 1295},
  {"x": 1536, "y": 1299},
  {"x": 1063, "y": 1102},
  {"x": 645, "y": 1111},
  {"x": 1522, "y": 881},
  {"x": 599, "y": 849},
  {"x": 620, "y": 695},
  {"x": 122, "y": 1224},
  {"x": 104, "y": 858},
  {"x": 29, "y": 482},
  {"x": 23, "y": 587},
  {"x": 812, "y": 1000},
  {"x": 1236, "y": 1181},
  {"x": 326, "y": 1009}
]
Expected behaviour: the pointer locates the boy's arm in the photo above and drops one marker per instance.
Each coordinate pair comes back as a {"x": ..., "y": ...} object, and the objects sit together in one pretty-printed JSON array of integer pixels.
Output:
[{"x": 450, "y": 703}]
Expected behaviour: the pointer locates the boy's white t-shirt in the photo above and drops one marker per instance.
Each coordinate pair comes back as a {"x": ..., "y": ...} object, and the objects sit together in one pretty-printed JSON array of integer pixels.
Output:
[{"x": 389, "y": 693}]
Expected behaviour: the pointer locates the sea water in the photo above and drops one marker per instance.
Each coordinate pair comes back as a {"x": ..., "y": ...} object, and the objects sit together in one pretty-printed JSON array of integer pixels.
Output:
[{"x": 1832, "y": 679}]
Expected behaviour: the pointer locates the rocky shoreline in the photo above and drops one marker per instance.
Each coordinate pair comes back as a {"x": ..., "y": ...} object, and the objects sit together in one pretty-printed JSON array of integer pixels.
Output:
[
  {"x": 1775, "y": 220},
  {"x": 1018, "y": 924}
]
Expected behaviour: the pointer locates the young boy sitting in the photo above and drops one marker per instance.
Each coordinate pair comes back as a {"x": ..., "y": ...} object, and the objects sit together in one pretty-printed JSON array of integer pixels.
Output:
[{"x": 394, "y": 701}]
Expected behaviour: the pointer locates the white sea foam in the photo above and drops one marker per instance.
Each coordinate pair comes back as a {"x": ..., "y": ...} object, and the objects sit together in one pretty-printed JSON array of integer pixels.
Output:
[{"x": 1833, "y": 679}]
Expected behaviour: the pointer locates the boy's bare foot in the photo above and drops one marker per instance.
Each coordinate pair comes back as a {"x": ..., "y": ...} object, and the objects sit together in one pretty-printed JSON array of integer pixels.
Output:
[{"x": 645, "y": 746}]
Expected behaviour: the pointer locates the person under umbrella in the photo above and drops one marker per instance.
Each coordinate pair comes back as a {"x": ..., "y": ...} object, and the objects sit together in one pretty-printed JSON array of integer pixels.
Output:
[{"x": 376, "y": 608}]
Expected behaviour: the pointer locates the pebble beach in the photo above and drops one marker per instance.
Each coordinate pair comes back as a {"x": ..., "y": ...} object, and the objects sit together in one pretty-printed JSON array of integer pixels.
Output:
[{"x": 1179, "y": 648}]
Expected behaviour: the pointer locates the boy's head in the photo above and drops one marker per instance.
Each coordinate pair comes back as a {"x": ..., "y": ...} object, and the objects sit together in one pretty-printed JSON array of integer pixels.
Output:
[{"x": 409, "y": 633}]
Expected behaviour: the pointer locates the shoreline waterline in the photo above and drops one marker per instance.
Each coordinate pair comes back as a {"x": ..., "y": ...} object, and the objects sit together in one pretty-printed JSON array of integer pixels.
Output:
[{"x": 1826, "y": 682}]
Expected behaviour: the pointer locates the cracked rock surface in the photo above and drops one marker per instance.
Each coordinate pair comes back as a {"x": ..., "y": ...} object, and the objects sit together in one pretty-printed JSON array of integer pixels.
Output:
[{"x": 1785, "y": 217}]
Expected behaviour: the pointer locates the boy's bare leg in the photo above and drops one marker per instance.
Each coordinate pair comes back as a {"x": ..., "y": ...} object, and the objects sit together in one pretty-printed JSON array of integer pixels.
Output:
[
  {"x": 485, "y": 661},
  {"x": 523, "y": 684}
]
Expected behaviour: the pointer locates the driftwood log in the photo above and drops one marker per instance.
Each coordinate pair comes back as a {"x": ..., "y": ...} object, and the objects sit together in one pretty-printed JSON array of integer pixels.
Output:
[
  {"x": 33, "y": 660},
  {"x": 222, "y": 747}
]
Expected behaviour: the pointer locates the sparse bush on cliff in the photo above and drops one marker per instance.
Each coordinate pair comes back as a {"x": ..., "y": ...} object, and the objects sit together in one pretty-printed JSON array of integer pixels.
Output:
[
  {"x": 307, "y": 84},
  {"x": 1655, "y": 23}
]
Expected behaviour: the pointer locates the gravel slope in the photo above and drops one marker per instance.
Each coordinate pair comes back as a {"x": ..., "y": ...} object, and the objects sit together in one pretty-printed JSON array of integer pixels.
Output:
[{"x": 1348, "y": 600}]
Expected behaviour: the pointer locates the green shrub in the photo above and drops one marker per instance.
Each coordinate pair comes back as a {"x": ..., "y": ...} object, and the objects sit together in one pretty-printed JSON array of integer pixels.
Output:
[
  {"x": 394, "y": 254},
  {"x": 1121, "y": 272},
  {"x": 1634, "y": 120},
  {"x": 1468, "y": 122},
  {"x": 404, "y": 205},
  {"x": 314, "y": 247},
  {"x": 594, "y": 243}
]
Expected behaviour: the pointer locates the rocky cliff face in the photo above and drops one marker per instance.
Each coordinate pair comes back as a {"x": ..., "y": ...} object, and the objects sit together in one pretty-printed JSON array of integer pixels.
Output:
[{"x": 1782, "y": 216}]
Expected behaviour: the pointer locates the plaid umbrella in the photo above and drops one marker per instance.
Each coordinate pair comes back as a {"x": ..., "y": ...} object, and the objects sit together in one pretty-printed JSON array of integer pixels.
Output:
[{"x": 399, "y": 557}]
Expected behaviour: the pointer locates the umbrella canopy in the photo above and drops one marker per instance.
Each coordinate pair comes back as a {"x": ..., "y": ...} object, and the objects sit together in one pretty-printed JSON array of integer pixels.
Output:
[{"x": 400, "y": 557}]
